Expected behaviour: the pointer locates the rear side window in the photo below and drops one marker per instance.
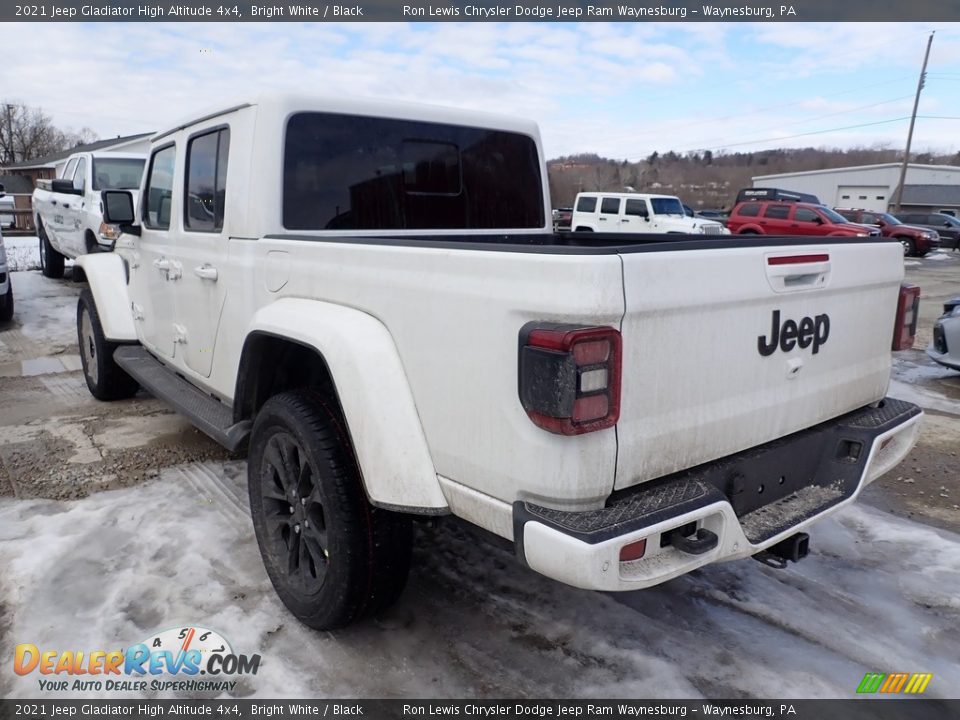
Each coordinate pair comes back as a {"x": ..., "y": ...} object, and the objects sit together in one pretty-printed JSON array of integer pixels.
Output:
[
  {"x": 805, "y": 215},
  {"x": 610, "y": 206},
  {"x": 587, "y": 205},
  {"x": 206, "y": 181},
  {"x": 347, "y": 172},
  {"x": 636, "y": 207},
  {"x": 777, "y": 212},
  {"x": 159, "y": 189},
  {"x": 749, "y": 210}
]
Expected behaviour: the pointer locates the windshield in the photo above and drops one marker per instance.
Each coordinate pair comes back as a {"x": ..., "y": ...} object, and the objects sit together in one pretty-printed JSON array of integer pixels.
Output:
[
  {"x": 117, "y": 173},
  {"x": 832, "y": 216},
  {"x": 889, "y": 219},
  {"x": 666, "y": 206}
]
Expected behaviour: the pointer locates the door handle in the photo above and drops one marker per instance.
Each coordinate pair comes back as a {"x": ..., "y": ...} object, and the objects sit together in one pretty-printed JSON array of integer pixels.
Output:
[
  {"x": 624, "y": 220},
  {"x": 53, "y": 202},
  {"x": 162, "y": 265},
  {"x": 603, "y": 219},
  {"x": 66, "y": 206},
  {"x": 206, "y": 272}
]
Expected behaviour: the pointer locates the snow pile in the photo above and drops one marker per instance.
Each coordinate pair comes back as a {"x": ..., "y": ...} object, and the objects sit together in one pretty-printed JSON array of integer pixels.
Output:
[{"x": 877, "y": 594}]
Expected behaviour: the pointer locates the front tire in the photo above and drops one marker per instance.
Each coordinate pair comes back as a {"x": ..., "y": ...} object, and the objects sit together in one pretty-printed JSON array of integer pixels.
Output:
[
  {"x": 105, "y": 379},
  {"x": 51, "y": 262},
  {"x": 6, "y": 304},
  {"x": 332, "y": 557}
]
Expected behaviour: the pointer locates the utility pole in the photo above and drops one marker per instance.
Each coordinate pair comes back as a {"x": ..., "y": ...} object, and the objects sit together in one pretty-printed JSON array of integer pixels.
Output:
[{"x": 913, "y": 119}]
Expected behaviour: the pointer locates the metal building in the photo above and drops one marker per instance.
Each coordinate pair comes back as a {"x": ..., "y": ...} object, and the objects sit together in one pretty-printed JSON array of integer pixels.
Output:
[{"x": 930, "y": 188}]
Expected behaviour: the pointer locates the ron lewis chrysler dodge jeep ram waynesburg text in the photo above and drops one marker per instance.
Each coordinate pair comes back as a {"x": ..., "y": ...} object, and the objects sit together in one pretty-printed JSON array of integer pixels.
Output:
[{"x": 369, "y": 298}]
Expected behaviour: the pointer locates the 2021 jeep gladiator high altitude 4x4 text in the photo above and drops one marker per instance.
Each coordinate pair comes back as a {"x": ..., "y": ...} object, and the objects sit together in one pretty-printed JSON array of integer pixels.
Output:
[{"x": 369, "y": 297}]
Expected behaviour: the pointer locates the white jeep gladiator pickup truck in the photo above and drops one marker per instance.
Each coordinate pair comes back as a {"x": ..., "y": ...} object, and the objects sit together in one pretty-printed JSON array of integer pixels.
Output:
[
  {"x": 369, "y": 298},
  {"x": 67, "y": 210}
]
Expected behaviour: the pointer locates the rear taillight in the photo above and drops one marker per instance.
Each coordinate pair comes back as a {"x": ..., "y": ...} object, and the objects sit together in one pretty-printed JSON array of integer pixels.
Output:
[
  {"x": 908, "y": 312},
  {"x": 570, "y": 377}
]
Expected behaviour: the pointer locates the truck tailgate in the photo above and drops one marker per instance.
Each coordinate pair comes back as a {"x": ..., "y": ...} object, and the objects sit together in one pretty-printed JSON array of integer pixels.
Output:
[{"x": 726, "y": 349}]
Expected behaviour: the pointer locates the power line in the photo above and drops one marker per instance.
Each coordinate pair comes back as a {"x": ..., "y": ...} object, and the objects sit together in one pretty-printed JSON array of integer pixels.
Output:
[{"x": 806, "y": 134}]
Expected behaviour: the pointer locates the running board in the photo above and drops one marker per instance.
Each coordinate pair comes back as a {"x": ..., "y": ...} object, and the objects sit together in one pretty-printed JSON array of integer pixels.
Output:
[{"x": 206, "y": 412}]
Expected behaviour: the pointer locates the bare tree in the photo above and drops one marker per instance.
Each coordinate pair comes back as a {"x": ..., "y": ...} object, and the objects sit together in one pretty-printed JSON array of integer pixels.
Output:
[{"x": 28, "y": 133}]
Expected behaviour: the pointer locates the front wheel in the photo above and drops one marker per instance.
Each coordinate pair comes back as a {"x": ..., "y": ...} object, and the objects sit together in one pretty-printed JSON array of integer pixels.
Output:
[
  {"x": 331, "y": 556},
  {"x": 105, "y": 379},
  {"x": 51, "y": 262}
]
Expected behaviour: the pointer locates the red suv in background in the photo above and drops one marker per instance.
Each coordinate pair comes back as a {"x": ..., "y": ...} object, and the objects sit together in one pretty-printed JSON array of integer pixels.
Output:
[
  {"x": 915, "y": 240},
  {"x": 792, "y": 218}
]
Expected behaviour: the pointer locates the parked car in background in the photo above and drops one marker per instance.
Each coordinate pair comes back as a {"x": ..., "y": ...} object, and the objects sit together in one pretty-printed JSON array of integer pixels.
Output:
[
  {"x": 916, "y": 241},
  {"x": 637, "y": 213},
  {"x": 945, "y": 348},
  {"x": 792, "y": 218},
  {"x": 68, "y": 212},
  {"x": 775, "y": 194},
  {"x": 712, "y": 214},
  {"x": 947, "y": 226},
  {"x": 562, "y": 218},
  {"x": 6, "y": 209},
  {"x": 6, "y": 287}
]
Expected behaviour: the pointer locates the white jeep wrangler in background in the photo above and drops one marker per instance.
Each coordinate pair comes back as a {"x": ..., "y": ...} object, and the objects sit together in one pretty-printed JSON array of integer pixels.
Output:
[{"x": 369, "y": 297}]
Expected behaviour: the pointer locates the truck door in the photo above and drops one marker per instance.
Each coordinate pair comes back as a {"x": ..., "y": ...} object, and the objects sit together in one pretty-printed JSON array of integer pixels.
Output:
[
  {"x": 71, "y": 207},
  {"x": 202, "y": 248},
  {"x": 636, "y": 216},
  {"x": 153, "y": 269},
  {"x": 609, "y": 219}
]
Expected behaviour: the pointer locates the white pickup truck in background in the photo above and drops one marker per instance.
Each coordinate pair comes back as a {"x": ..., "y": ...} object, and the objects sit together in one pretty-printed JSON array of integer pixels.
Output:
[
  {"x": 615, "y": 212},
  {"x": 393, "y": 330},
  {"x": 67, "y": 210}
]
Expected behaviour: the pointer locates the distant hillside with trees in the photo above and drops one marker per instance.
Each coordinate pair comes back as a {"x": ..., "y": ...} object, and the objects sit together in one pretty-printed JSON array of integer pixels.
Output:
[{"x": 706, "y": 179}]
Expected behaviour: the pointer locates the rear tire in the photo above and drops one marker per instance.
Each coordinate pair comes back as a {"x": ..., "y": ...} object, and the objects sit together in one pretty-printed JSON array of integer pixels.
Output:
[
  {"x": 748, "y": 232},
  {"x": 105, "y": 379},
  {"x": 332, "y": 557},
  {"x": 909, "y": 248},
  {"x": 6, "y": 304},
  {"x": 51, "y": 262}
]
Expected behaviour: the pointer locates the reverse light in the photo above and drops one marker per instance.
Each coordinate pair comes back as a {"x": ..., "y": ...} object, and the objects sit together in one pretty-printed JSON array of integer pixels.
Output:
[
  {"x": 569, "y": 377},
  {"x": 908, "y": 312}
]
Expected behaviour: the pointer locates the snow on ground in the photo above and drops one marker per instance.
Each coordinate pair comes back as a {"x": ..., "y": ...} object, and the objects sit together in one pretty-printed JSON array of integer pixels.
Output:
[
  {"x": 45, "y": 317},
  {"x": 877, "y": 594},
  {"x": 920, "y": 382},
  {"x": 23, "y": 253}
]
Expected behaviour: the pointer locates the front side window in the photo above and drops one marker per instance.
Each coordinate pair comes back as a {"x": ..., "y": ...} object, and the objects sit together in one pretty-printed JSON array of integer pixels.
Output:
[
  {"x": 666, "y": 206},
  {"x": 159, "y": 189},
  {"x": 206, "y": 181},
  {"x": 806, "y": 215},
  {"x": 610, "y": 206},
  {"x": 347, "y": 172},
  {"x": 68, "y": 170}
]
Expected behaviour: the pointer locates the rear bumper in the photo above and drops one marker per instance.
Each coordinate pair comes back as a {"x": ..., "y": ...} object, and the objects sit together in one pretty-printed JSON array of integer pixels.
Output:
[{"x": 750, "y": 501}]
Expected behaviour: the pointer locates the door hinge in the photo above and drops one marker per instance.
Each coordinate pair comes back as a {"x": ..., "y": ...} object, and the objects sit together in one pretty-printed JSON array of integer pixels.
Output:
[{"x": 137, "y": 312}]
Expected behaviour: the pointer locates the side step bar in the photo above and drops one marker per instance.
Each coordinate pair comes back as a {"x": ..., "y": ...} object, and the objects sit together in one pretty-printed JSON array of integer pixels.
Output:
[{"x": 206, "y": 412}]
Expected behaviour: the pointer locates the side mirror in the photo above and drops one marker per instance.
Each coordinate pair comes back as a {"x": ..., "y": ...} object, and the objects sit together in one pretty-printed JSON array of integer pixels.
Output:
[
  {"x": 118, "y": 210},
  {"x": 60, "y": 185}
]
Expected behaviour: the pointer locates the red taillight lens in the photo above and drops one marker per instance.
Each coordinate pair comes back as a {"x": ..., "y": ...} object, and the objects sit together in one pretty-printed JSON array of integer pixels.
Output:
[
  {"x": 908, "y": 312},
  {"x": 570, "y": 377},
  {"x": 633, "y": 551}
]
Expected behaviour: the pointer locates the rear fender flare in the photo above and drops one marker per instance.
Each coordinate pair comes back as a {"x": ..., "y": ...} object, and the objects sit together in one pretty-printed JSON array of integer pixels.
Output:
[{"x": 374, "y": 394}]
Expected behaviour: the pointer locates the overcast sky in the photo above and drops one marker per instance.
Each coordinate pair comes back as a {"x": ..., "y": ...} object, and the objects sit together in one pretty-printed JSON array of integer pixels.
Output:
[{"x": 621, "y": 90}]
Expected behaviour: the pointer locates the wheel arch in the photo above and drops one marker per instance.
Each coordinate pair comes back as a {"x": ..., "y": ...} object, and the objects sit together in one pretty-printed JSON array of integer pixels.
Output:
[
  {"x": 350, "y": 356},
  {"x": 107, "y": 277}
]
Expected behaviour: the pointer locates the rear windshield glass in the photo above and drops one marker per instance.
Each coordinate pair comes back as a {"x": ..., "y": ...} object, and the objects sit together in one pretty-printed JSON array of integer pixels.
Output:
[
  {"x": 117, "y": 173},
  {"x": 346, "y": 172}
]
